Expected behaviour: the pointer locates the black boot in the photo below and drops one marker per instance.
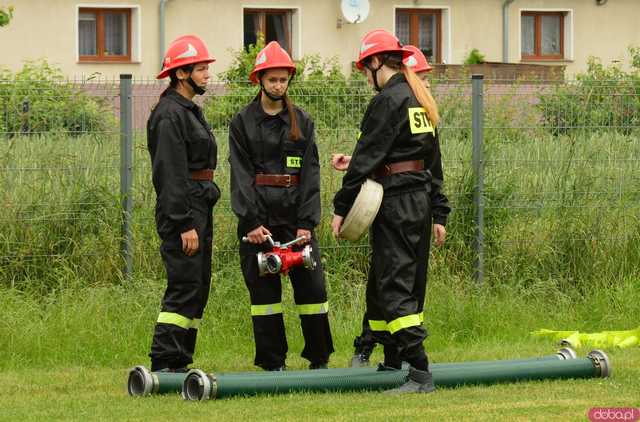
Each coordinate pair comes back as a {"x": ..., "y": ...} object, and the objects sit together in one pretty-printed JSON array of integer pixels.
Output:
[
  {"x": 417, "y": 382},
  {"x": 384, "y": 367},
  {"x": 275, "y": 368},
  {"x": 362, "y": 352}
]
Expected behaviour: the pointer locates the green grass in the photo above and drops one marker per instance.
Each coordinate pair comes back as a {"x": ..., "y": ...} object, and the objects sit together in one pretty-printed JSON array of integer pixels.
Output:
[
  {"x": 562, "y": 234},
  {"x": 556, "y": 208},
  {"x": 65, "y": 356}
]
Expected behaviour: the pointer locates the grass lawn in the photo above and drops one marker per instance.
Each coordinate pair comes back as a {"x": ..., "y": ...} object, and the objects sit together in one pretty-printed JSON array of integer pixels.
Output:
[{"x": 83, "y": 393}]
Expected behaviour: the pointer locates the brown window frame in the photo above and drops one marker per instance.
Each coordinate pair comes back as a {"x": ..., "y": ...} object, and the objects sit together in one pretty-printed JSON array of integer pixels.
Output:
[
  {"x": 100, "y": 56},
  {"x": 537, "y": 33},
  {"x": 414, "y": 14},
  {"x": 262, "y": 22}
]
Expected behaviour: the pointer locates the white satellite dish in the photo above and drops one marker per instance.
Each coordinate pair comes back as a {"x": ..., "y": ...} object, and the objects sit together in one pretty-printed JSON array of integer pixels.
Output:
[{"x": 355, "y": 11}]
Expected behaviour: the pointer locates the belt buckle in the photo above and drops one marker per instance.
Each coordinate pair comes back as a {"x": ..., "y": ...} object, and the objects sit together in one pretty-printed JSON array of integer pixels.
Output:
[{"x": 287, "y": 177}]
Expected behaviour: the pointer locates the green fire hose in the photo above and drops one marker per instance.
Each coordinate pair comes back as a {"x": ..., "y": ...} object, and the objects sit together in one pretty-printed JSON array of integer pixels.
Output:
[
  {"x": 142, "y": 382},
  {"x": 199, "y": 385}
]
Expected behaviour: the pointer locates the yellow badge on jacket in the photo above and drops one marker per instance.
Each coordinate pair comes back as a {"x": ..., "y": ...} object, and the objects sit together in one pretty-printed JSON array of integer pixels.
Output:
[
  {"x": 419, "y": 121},
  {"x": 295, "y": 162}
]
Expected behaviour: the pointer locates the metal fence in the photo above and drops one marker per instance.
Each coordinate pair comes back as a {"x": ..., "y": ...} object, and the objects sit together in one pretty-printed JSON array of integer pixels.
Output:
[{"x": 542, "y": 177}]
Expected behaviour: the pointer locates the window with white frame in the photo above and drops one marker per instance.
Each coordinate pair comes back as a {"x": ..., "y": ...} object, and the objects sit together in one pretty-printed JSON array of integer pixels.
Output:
[
  {"x": 273, "y": 24},
  {"x": 423, "y": 29},
  {"x": 107, "y": 34},
  {"x": 545, "y": 35}
]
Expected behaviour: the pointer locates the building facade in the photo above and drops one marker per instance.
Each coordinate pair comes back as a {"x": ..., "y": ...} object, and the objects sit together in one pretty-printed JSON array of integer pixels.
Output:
[{"x": 125, "y": 36}]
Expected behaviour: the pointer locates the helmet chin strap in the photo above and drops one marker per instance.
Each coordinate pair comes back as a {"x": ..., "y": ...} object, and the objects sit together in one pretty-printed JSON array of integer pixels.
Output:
[
  {"x": 274, "y": 97},
  {"x": 197, "y": 89},
  {"x": 271, "y": 96},
  {"x": 374, "y": 73}
]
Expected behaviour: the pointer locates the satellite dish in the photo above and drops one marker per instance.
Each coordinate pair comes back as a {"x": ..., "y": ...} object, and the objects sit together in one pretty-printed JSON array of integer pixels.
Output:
[{"x": 355, "y": 11}]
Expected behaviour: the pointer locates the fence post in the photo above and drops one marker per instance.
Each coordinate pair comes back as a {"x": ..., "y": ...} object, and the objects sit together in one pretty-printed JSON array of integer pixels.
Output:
[
  {"x": 24, "y": 129},
  {"x": 126, "y": 171},
  {"x": 477, "y": 131}
]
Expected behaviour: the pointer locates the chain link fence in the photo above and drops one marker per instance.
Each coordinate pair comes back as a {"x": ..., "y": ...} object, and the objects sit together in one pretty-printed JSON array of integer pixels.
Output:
[{"x": 543, "y": 177}]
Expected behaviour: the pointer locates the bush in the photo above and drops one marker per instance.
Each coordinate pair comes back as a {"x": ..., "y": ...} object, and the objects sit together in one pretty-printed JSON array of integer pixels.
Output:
[
  {"x": 319, "y": 87},
  {"x": 6, "y": 15},
  {"x": 37, "y": 100},
  {"x": 474, "y": 57},
  {"x": 601, "y": 97}
]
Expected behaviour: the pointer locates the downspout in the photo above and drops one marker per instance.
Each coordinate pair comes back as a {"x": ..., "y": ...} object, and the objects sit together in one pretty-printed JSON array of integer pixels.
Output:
[
  {"x": 505, "y": 30},
  {"x": 161, "y": 26}
]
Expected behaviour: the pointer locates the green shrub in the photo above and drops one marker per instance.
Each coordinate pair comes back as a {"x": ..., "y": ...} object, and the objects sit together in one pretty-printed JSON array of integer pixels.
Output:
[
  {"x": 6, "y": 15},
  {"x": 37, "y": 99},
  {"x": 474, "y": 57},
  {"x": 601, "y": 97},
  {"x": 319, "y": 87}
]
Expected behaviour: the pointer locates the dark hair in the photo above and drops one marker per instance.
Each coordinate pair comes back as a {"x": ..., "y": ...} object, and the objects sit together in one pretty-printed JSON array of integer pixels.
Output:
[
  {"x": 294, "y": 133},
  {"x": 173, "y": 77}
]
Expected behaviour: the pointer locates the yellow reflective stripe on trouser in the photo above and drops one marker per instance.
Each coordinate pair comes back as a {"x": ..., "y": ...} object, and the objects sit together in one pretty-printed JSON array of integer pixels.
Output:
[
  {"x": 378, "y": 325},
  {"x": 174, "y": 319},
  {"x": 313, "y": 308},
  {"x": 268, "y": 309},
  {"x": 404, "y": 322},
  {"x": 195, "y": 324},
  {"x": 397, "y": 324}
]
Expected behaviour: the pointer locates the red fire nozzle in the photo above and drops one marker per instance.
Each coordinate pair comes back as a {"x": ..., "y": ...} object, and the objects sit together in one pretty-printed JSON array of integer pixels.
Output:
[{"x": 282, "y": 257}]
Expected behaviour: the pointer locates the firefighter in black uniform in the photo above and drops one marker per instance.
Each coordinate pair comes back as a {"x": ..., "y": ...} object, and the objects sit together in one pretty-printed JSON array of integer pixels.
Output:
[
  {"x": 398, "y": 147},
  {"x": 365, "y": 342},
  {"x": 275, "y": 191},
  {"x": 183, "y": 156}
]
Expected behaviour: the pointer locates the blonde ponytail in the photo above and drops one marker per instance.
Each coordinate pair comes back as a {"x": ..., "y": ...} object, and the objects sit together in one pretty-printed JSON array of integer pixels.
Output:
[{"x": 423, "y": 95}]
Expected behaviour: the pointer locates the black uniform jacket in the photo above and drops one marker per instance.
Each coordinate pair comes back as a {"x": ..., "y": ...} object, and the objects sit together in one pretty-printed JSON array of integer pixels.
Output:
[
  {"x": 395, "y": 128},
  {"x": 259, "y": 143},
  {"x": 180, "y": 141}
]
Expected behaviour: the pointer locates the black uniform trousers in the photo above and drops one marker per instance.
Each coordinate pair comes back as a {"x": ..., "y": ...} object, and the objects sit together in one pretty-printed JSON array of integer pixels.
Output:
[
  {"x": 265, "y": 292},
  {"x": 184, "y": 301},
  {"x": 396, "y": 287}
]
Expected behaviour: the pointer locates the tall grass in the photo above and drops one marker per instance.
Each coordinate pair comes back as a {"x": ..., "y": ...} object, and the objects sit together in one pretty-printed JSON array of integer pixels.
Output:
[
  {"x": 111, "y": 326},
  {"x": 556, "y": 208}
]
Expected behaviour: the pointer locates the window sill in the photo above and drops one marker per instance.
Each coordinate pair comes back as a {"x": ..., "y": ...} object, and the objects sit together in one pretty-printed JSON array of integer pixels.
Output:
[
  {"x": 543, "y": 60},
  {"x": 108, "y": 62}
]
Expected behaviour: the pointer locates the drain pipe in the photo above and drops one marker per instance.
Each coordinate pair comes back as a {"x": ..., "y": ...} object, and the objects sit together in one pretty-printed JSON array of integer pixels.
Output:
[
  {"x": 505, "y": 30},
  {"x": 161, "y": 26}
]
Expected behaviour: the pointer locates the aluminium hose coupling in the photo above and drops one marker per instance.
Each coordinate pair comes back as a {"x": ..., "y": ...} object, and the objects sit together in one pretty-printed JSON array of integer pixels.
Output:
[
  {"x": 141, "y": 382},
  {"x": 601, "y": 362},
  {"x": 198, "y": 385},
  {"x": 566, "y": 353}
]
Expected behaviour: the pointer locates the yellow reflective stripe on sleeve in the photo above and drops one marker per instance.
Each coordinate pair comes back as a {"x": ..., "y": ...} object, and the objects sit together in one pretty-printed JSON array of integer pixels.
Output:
[
  {"x": 358, "y": 135},
  {"x": 195, "y": 324},
  {"x": 268, "y": 309},
  {"x": 294, "y": 162},
  {"x": 378, "y": 325},
  {"x": 313, "y": 308},
  {"x": 174, "y": 319},
  {"x": 404, "y": 322},
  {"x": 419, "y": 121}
]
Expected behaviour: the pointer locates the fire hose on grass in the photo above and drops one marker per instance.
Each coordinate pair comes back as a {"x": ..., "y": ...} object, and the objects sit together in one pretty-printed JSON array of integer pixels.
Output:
[
  {"x": 199, "y": 385},
  {"x": 142, "y": 382}
]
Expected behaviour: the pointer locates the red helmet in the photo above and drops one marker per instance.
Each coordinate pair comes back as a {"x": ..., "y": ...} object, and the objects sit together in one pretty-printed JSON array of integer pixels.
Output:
[
  {"x": 185, "y": 50},
  {"x": 379, "y": 41},
  {"x": 271, "y": 57},
  {"x": 418, "y": 62}
]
